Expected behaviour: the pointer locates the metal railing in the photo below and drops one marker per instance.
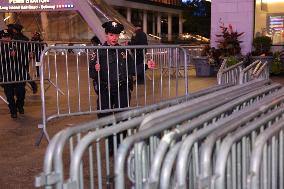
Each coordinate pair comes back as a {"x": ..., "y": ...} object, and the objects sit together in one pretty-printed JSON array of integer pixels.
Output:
[
  {"x": 53, "y": 169},
  {"x": 229, "y": 74},
  {"x": 71, "y": 92}
]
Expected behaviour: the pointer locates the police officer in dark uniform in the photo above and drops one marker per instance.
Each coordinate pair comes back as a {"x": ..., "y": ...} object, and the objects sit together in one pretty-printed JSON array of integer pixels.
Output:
[
  {"x": 11, "y": 70},
  {"x": 120, "y": 66},
  {"x": 25, "y": 50}
]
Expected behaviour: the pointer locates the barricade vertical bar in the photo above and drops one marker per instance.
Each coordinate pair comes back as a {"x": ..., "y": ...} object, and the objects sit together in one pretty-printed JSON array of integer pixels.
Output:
[
  {"x": 108, "y": 80},
  {"x": 269, "y": 166},
  {"x": 234, "y": 168},
  {"x": 81, "y": 180},
  {"x": 169, "y": 71},
  {"x": 99, "y": 83},
  {"x": 177, "y": 65},
  {"x": 99, "y": 165},
  {"x": 153, "y": 81},
  {"x": 136, "y": 87},
  {"x": 239, "y": 157},
  {"x": 264, "y": 168},
  {"x": 274, "y": 164},
  {"x": 244, "y": 156},
  {"x": 117, "y": 77},
  {"x": 91, "y": 167},
  {"x": 145, "y": 85},
  {"x": 78, "y": 81},
  {"x": 67, "y": 82},
  {"x": 56, "y": 83},
  {"x": 89, "y": 83},
  {"x": 127, "y": 79}
]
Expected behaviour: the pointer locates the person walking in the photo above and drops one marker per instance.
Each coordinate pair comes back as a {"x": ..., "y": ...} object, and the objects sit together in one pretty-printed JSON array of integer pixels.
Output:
[
  {"x": 139, "y": 38},
  {"x": 12, "y": 73},
  {"x": 25, "y": 51},
  {"x": 37, "y": 49}
]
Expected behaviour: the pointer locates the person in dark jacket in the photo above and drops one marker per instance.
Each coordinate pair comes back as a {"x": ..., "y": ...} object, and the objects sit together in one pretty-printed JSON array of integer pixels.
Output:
[
  {"x": 95, "y": 41},
  {"x": 37, "y": 48},
  {"x": 112, "y": 71},
  {"x": 12, "y": 70},
  {"x": 139, "y": 38},
  {"x": 25, "y": 50}
]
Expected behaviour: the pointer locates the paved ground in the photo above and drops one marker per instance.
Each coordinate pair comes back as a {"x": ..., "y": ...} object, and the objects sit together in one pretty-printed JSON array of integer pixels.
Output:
[{"x": 20, "y": 160}]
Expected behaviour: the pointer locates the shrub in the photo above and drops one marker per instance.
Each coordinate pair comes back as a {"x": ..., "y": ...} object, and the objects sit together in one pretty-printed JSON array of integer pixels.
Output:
[
  {"x": 229, "y": 43},
  {"x": 262, "y": 46}
]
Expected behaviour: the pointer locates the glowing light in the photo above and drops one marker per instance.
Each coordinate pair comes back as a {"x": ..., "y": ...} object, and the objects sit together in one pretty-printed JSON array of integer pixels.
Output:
[{"x": 6, "y": 18}]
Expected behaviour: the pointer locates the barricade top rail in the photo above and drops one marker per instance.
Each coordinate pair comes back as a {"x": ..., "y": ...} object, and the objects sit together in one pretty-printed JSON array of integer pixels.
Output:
[
  {"x": 261, "y": 69},
  {"x": 186, "y": 128},
  {"x": 238, "y": 88},
  {"x": 236, "y": 136},
  {"x": 229, "y": 123},
  {"x": 233, "y": 66},
  {"x": 168, "y": 121},
  {"x": 57, "y": 142},
  {"x": 155, "y": 115},
  {"x": 251, "y": 66}
]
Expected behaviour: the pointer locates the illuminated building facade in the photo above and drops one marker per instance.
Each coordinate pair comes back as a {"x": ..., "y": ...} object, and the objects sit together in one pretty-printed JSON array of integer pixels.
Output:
[
  {"x": 73, "y": 20},
  {"x": 254, "y": 17}
]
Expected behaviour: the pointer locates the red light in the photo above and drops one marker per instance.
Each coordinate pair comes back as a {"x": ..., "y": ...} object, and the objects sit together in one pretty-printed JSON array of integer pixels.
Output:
[{"x": 59, "y": 6}]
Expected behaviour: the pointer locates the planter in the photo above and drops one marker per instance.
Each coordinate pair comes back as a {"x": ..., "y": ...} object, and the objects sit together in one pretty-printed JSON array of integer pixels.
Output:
[
  {"x": 263, "y": 59},
  {"x": 202, "y": 67}
]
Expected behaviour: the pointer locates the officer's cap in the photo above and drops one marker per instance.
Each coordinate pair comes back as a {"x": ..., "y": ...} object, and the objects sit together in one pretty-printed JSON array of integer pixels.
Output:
[
  {"x": 5, "y": 33},
  {"x": 113, "y": 27}
]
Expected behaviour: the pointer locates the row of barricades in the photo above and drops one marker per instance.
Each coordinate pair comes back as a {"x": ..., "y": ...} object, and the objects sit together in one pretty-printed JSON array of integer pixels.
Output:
[
  {"x": 223, "y": 137},
  {"x": 239, "y": 74}
]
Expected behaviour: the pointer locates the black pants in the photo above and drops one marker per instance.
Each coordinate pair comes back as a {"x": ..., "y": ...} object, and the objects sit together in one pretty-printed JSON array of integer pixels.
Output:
[
  {"x": 18, "y": 90},
  {"x": 117, "y": 100}
]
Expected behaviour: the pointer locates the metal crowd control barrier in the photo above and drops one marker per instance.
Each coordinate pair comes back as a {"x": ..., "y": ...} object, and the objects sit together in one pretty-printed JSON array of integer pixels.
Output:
[
  {"x": 229, "y": 74},
  {"x": 53, "y": 164},
  {"x": 69, "y": 99},
  {"x": 19, "y": 62},
  {"x": 256, "y": 69},
  {"x": 168, "y": 121},
  {"x": 192, "y": 132},
  {"x": 266, "y": 161},
  {"x": 88, "y": 139},
  {"x": 191, "y": 141},
  {"x": 236, "y": 148},
  {"x": 210, "y": 122}
]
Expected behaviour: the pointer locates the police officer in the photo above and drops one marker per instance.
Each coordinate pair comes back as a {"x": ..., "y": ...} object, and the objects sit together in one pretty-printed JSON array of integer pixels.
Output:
[
  {"x": 12, "y": 70},
  {"x": 112, "y": 71},
  {"x": 25, "y": 50}
]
